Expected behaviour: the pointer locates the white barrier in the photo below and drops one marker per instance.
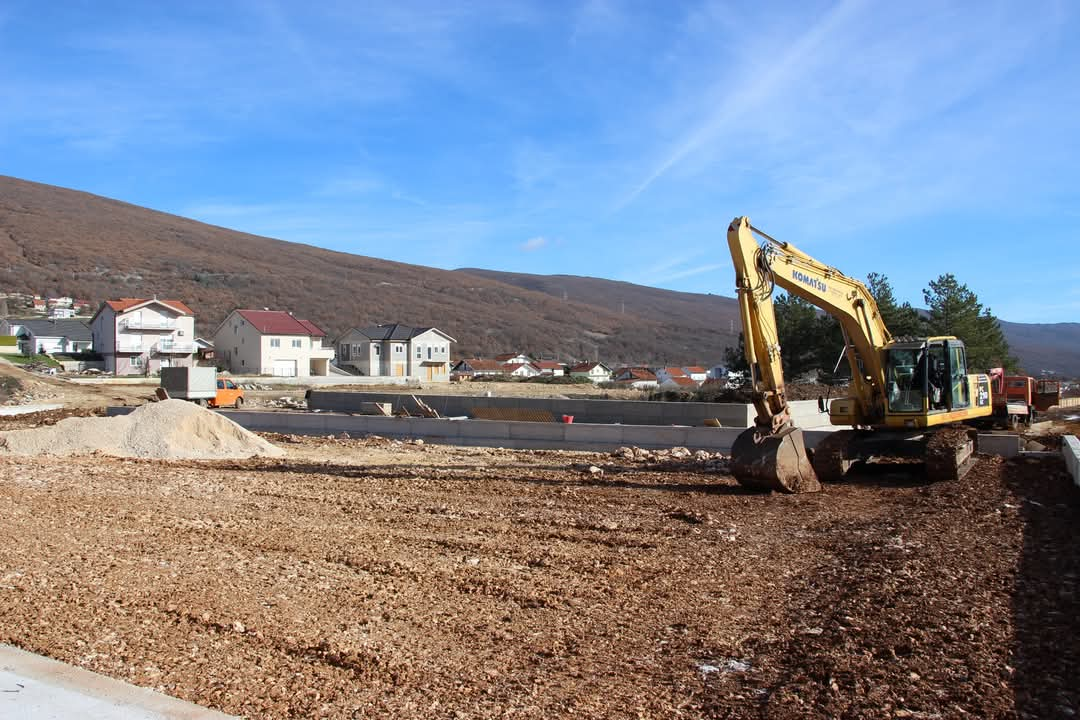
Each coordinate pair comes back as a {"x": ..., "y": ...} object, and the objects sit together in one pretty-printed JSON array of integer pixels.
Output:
[{"x": 1070, "y": 448}]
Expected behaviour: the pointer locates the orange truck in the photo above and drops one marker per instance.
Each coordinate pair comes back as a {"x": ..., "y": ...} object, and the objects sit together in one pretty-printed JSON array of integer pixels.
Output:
[
  {"x": 201, "y": 385},
  {"x": 1018, "y": 399}
]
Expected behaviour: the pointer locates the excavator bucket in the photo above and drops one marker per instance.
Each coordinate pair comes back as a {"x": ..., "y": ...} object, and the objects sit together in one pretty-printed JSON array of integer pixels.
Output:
[{"x": 773, "y": 461}]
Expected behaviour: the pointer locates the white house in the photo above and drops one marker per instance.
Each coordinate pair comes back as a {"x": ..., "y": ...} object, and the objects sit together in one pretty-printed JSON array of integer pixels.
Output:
[
  {"x": 136, "y": 336},
  {"x": 271, "y": 342},
  {"x": 394, "y": 350},
  {"x": 522, "y": 370},
  {"x": 512, "y": 359},
  {"x": 51, "y": 336},
  {"x": 594, "y": 371}
]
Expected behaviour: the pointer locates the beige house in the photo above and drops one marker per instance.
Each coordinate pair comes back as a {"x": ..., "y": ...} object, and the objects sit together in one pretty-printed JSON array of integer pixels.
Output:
[
  {"x": 271, "y": 342},
  {"x": 136, "y": 336},
  {"x": 396, "y": 351}
]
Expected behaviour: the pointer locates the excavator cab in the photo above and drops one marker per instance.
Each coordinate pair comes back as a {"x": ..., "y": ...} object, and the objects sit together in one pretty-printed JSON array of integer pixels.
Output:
[{"x": 926, "y": 376}]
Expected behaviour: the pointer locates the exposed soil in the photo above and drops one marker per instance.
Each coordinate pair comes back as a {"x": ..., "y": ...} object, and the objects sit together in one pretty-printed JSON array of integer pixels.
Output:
[{"x": 371, "y": 578}]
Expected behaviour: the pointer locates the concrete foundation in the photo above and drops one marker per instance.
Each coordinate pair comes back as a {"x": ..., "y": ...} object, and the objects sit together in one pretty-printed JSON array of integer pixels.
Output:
[
  {"x": 1004, "y": 444},
  {"x": 1070, "y": 448},
  {"x": 494, "y": 433},
  {"x": 622, "y": 412}
]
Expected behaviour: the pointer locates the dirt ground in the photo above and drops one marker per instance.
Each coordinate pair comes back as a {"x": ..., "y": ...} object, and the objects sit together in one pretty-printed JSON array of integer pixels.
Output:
[{"x": 371, "y": 578}]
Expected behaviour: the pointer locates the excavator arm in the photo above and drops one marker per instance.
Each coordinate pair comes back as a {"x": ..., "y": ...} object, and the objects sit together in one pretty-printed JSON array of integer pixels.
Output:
[{"x": 759, "y": 268}]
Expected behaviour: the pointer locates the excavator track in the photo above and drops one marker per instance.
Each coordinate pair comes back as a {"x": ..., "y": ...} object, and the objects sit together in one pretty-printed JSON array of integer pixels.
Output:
[{"x": 950, "y": 454}]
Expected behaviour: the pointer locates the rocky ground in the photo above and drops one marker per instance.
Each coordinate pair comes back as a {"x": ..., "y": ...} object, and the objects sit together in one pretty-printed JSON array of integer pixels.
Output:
[{"x": 372, "y": 578}]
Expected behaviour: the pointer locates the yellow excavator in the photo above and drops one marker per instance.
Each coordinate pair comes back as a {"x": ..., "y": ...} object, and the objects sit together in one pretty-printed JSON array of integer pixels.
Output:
[{"x": 907, "y": 395}]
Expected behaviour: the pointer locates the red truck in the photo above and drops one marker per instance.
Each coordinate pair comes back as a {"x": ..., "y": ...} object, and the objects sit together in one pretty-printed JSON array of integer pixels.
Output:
[{"x": 1018, "y": 399}]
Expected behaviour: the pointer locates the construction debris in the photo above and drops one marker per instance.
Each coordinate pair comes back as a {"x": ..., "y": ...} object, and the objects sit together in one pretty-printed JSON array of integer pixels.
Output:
[{"x": 676, "y": 457}]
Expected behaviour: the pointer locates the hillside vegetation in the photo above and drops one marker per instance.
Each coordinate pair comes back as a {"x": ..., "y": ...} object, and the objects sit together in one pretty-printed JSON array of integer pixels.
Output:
[{"x": 58, "y": 241}]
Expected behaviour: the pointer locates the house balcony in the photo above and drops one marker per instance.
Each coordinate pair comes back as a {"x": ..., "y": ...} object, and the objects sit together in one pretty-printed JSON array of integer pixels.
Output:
[
  {"x": 322, "y": 353},
  {"x": 148, "y": 324},
  {"x": 174, "y": 348},
  {"x": 130, "y": 347}
]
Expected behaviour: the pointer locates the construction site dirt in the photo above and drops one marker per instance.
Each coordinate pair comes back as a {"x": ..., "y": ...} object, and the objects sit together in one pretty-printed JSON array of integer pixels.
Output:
[{"x": 374, "y": 578}]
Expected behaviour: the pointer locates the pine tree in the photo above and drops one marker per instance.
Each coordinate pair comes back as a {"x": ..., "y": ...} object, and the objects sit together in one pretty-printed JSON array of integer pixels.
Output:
[
  {"x": 735, "y": 358},
  {"x": 900, "y": 319},
  {"x": 956, "y": 310},
  {"x": 798, "y": 329}
]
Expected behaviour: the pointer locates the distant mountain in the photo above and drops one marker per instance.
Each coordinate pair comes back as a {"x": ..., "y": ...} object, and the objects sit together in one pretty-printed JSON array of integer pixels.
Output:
[
  {"x": 55, "y": 241},
  {"x": 1050, "y": 347},
  {"x": 1054, "y": 347}
]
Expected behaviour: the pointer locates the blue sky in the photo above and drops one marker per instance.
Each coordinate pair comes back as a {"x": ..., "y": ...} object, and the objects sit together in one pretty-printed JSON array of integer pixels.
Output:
[{"x": 611, "y": 139}]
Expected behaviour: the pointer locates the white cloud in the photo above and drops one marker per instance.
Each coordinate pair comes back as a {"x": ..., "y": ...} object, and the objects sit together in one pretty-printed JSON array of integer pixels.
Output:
[{"x": 534, "y": 244}]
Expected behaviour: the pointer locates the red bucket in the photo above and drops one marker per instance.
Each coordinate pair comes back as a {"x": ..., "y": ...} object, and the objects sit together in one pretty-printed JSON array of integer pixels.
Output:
[{"x": 568, "y": 419}]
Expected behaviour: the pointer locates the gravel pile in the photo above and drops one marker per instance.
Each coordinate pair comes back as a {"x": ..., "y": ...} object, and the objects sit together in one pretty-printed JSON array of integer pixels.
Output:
[{"x": 172, "y": 429}]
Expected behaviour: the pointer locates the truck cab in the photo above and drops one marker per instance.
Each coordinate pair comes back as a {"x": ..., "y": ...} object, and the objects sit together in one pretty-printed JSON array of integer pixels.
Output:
[{"x": 228, "y": 394}]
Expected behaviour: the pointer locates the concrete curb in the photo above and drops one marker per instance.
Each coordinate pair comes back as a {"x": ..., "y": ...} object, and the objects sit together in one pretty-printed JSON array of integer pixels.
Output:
[
  {"x": 26, "y": 409},
  {"x": 33, "y": 686},
  {"x": 1070, "y": 448}
]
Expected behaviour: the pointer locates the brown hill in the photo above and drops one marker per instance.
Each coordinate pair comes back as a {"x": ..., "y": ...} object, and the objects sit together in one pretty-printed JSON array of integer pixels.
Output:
[{"x": 63, "y": 242}]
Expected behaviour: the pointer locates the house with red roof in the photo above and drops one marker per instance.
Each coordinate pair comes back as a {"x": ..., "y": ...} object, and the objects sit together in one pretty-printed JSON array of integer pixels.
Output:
[
  {"x": 666, "y": 373},
  {"x": 139, "y": 336},
  {"x": 271, "y": 342},
  {"x": 696, "y": 373},
  {"x": 638, "y": 378},
  {"x": 678, "y": 382},
  {"x": 550, "y": 367}
]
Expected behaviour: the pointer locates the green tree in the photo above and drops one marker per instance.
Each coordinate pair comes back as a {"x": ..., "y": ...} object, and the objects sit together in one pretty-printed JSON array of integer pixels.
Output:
[
  {"x": 735, "y": 357},
  {"x": 900, "y": 319},
  {"x": 797, "y": 325},
  {"x": 956, "y": 310}
]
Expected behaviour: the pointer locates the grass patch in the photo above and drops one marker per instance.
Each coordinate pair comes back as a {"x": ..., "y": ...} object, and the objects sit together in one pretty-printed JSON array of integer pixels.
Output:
[{"x": 33, "y": 359}]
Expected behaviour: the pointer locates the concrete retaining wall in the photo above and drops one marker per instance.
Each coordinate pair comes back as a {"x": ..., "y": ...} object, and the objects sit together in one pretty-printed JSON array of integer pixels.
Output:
[
  {"x": 624, "y": 412},
  {"x": 1070, "y": 402},
  {"x": 80, "y": 365},
  {"x": 1070, "y": 448},
  {"x": 494, "y": 433}
]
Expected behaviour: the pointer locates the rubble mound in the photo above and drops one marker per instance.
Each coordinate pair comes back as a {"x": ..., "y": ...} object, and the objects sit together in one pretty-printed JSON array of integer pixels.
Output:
[{"x": 171, "y": 429}]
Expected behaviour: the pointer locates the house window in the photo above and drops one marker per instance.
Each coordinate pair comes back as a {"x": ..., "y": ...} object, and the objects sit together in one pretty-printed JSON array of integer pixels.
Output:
[
  {"x": 378, "y": 351},
  {"x": 429, "y": 353},
  {"x": 296, "y": 343},
  {"x": 180, "y": 333},
  {"x": 419, "y": 351},
  {"x": 136, "y": 361},
  {"x": 275, "y": 342}
]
